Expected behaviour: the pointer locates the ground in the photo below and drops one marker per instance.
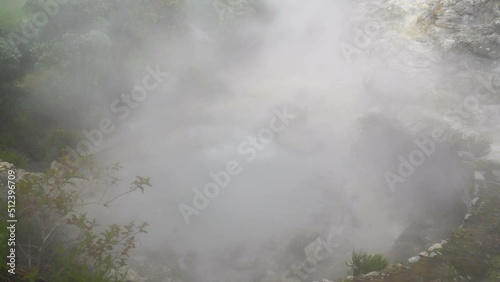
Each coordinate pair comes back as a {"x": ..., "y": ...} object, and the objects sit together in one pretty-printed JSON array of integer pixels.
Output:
[{"x": 471, "y": 254}]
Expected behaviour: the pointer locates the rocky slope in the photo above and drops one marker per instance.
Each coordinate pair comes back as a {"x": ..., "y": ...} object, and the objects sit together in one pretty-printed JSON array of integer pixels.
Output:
[
  {"x": 462, "y": 40},
  {"x": 470, "y": 254}
]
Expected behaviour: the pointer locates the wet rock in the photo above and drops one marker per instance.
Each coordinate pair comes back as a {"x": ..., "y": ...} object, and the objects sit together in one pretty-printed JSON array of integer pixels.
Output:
[
  {"x": 414, "y": 259},
  {"x": 474, "y": 201},
  {"x": 373, "y": 273},
  {"x": 4, "y": 166},
  {"x": 478, "y": 176},
  {"x": 435, "y": 247}
]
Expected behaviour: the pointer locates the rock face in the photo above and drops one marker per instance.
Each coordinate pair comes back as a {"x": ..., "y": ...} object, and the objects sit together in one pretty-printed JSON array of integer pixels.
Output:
[
  {"x": 470, "y": 254},
  {"x": 459, "y": 42},
  {"x": 465, "y": 26},
  {"x": 432, "y": 203}
]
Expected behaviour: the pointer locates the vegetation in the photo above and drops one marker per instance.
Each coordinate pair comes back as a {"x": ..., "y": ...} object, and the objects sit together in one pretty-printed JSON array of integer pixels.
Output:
[
  {"x": 59, "y": 77},
  {"x": 475, "y": 241},
  {"x": 363, "y": 263},
  {"x": 57, "y": 240},
  {"x": 63, "y": 77}
]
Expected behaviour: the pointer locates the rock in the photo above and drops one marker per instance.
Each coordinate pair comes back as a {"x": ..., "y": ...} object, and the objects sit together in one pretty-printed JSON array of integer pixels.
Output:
[
  {"x": 467, "y": 216},
  {"x": 478, "y": 176},
  {"x": 414, "y": 259},
  {"x": 432, "y": 254},
  {"x": 133, "y": 276},
  {"x": 435, "y": 247},
  {"x": 350, "y": 278},
  {"x": 444, "y": 242},
  {"x": 476, "y": 190},
  {"x": 373, "y": 273},
  {"x": 4, "y": 166},
  {"x": 424, "y": 254},
  {"x": 474, "y": 201}
]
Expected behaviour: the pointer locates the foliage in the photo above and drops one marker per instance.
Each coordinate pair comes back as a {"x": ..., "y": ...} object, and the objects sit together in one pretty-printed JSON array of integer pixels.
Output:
[
  {"x": 494, "y": 272},
  {"x": 232, "y": 10},
  {"x": 12, "y": 157},
  {"x": 57, "y": 240},
  {"x": 65, "y": 78},
  {"x": 70, "y": 269},
  {"x": 11, "y": 13},
  {"x": 9, "y": 60},
  {"x": 362, "y": 263},
  {"x": 46, "y": 53},
  {"x": 145, "y": 16}
]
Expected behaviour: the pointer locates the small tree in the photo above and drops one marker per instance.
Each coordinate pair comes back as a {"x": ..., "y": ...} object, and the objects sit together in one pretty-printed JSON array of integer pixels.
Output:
[{"x": 56, "y": 239}]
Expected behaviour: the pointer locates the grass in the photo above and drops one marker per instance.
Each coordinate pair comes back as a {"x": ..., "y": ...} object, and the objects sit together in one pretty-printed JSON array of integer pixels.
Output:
[
  {"x": 362, "y": 263},
  {"x": 472, "y": 251}
]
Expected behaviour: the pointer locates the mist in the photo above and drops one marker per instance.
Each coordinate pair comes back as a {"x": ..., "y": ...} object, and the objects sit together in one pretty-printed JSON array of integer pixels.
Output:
[{"x": 273, "y": 128}]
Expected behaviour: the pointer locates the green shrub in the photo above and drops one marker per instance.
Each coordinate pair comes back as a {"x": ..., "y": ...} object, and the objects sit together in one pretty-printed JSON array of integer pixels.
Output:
[
  {"x": 494, "y": 272},
  {"x": 71, "y": 269},
  {"x": 56, "y": 240},
  {"x": 362, "y": 263},
  {"x": 6, "y": 140},
  {"x": 9, "y": 60},
  {"x": 12, "y": 157}
]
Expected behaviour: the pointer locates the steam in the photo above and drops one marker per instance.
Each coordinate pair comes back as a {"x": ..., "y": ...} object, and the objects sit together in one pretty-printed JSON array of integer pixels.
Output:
[{"x": 229, "y": 83}]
